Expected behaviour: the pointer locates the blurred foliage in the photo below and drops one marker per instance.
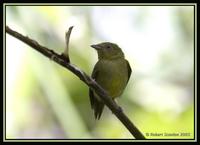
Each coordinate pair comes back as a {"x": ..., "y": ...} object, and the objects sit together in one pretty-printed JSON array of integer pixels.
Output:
[{"x": 44, "y": 100}]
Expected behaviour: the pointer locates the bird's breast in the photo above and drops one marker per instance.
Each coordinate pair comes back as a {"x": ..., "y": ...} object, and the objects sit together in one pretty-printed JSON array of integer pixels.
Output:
[{"x": 113, "y": 76}]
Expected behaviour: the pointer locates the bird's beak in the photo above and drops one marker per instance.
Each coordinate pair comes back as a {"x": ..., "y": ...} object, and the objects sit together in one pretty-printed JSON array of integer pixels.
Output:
[{"x": 97, "y": 47}]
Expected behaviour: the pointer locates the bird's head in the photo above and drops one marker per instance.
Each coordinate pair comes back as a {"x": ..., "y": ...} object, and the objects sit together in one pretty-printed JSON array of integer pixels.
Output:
[{"x": 107, "y": 50}]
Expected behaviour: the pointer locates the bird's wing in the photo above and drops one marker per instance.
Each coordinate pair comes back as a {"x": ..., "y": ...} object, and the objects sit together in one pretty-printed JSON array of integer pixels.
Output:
[
  {"x": 91, "y": 93},
  {"x": 96, "y": 104},
  {"x": 129, "y": 70}
]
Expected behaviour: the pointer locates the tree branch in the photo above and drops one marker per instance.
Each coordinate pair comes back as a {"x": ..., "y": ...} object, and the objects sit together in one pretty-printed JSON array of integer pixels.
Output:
[{"x": 83, "y": 76}]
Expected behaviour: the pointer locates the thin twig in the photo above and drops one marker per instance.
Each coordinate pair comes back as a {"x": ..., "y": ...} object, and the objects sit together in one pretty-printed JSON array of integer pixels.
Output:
[
  {"x": 65, "y": 54},
  {"x": 84, "y": 77}
]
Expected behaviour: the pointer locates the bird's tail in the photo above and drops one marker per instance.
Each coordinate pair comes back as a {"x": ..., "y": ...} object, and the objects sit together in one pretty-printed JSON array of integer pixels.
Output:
[{"x": 96, "y": 104}]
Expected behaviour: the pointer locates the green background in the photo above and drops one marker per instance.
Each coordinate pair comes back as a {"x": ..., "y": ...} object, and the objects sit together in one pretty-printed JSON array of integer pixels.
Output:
[{"x": 44, "y": 100}]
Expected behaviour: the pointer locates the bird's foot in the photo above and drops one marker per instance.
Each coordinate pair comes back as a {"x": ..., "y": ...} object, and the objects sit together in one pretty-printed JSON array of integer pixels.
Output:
[{"x": 120, "y": 109}]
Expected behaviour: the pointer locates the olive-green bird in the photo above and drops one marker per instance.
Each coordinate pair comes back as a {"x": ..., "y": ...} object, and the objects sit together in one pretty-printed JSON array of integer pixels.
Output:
[{"x": 111, "y": 72}]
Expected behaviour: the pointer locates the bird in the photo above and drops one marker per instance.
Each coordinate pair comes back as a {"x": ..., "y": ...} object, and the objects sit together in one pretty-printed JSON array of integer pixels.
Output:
[{"x": 112, "y": 72}]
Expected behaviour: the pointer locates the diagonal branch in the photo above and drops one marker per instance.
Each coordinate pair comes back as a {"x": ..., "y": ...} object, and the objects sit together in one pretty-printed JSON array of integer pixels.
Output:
[{"x": 83, "y": 76}]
